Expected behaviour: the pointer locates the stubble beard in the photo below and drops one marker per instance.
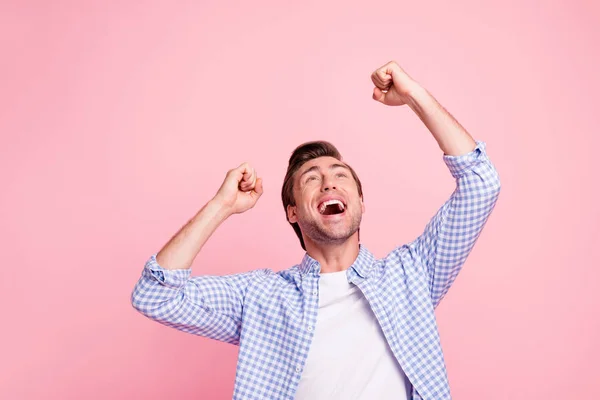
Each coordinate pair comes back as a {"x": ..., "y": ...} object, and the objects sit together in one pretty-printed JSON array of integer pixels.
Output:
[{"x": 321, "y": 233}]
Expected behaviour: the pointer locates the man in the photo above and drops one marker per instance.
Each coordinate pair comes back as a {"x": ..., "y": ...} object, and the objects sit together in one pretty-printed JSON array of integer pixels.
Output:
[{"x": 341, "y": 324}]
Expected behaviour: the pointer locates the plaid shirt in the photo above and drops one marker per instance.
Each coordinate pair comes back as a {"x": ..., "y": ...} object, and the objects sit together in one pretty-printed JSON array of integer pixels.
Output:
[{"x": 272, "y": 315}]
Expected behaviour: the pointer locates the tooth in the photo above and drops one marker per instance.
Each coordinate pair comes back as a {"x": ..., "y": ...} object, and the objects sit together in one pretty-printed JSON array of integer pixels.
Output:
[{"x": 331, "y": 202}]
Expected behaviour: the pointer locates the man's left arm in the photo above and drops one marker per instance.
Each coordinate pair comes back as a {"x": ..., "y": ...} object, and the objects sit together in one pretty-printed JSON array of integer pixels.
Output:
[
  {"x": 394, "y": 87},
  {"x": 450, "y": 235}
]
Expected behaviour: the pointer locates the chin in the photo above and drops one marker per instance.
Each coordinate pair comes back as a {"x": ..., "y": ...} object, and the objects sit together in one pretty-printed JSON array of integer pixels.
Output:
[
  {"x": 320, "y": 232},
  {"x": 339, "y": 235}
]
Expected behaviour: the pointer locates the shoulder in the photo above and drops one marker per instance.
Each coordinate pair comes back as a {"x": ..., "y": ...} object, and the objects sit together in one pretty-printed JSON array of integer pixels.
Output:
[
  {"x": 395, "y": 260},
  {"x": 270, "y": 287},
  {"x": 270, "y": 277}
]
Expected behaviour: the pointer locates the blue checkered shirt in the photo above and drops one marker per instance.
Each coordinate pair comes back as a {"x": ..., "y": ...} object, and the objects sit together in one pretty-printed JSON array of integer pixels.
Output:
[{"x": 271, "y": 315}]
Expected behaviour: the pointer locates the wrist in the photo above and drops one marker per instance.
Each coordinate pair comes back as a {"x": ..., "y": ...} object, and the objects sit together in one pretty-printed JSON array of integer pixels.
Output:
[
  {"x": 415, "y": 91},
  {"x": 416, "y": 98},
  {"x": 220, "y": 208}
]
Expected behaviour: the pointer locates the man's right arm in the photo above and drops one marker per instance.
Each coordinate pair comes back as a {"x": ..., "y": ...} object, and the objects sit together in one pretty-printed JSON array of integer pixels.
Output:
[
  {"x": 182, "y": 249},
  {"x": 239, "y": 192},
  {"x": 209, "y": 306}
]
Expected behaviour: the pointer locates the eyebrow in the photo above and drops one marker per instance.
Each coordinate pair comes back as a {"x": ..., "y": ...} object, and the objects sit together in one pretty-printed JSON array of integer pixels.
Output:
[{"x": 316, "y": 168}]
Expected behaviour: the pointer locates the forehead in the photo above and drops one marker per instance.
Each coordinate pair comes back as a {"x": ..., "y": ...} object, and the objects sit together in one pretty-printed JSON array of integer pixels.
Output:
[{"x": 321, "y": 162}]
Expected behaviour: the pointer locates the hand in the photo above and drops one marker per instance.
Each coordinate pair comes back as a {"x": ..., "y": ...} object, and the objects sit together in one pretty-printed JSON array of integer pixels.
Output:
[
  {"x": 240, "y": 190},
  {"x": 392, "y": 85}
]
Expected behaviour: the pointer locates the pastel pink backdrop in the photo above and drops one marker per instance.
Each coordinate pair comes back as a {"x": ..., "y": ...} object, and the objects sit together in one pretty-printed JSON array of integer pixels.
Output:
[{"x": 119, "y": 122}]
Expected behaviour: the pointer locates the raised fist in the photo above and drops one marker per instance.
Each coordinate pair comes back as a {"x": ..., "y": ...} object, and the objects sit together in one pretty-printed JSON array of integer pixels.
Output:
[
  {"x": 392, "y": 84},
  {"x": 240, "y": 190}
]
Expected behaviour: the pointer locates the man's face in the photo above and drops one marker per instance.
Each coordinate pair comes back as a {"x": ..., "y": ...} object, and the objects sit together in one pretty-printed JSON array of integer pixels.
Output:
[{"x": 328, "y": 207}]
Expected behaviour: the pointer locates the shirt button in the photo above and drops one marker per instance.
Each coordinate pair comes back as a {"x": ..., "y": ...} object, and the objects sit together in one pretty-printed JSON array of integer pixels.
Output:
[
  {"x": 315, "y": 292},
  {"x": 309, "y": 328},
  {"x": 298, "y": 369}
]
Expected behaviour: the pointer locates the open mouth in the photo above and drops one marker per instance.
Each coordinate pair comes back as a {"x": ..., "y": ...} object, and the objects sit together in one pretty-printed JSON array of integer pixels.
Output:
[{"x": 332, "y": 207}]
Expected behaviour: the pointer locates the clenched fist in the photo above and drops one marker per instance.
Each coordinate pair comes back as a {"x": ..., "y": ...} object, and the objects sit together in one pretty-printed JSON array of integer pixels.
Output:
[
  {"x": 240, "y": 190},
  {"x": 392, "y": 85}
]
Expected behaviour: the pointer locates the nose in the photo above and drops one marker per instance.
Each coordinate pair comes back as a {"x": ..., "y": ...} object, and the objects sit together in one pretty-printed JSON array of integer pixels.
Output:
[{"x": 327, "y": 186}]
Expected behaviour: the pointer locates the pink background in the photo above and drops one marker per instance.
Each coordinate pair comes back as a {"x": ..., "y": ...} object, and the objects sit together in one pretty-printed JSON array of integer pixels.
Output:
[{"x": 119, "y": 122}]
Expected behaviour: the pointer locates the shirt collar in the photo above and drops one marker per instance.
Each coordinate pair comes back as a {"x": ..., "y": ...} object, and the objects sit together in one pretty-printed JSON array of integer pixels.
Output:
[{"x": 361, "y": 265}]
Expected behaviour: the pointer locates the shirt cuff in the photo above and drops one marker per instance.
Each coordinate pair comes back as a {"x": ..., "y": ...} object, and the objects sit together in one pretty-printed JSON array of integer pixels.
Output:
[
  {"x": 460, "y": 165},
  {"x": 174, "y": 278}
]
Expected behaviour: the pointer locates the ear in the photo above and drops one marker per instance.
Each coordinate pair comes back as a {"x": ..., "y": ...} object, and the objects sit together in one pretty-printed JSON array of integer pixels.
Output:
[
  {"x": 362, "y": 204},
  {"x": 291, "y": 214}
]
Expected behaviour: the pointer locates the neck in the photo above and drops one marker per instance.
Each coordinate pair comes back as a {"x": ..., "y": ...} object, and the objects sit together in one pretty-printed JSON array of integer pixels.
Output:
[{"x": 334, "y": 257}]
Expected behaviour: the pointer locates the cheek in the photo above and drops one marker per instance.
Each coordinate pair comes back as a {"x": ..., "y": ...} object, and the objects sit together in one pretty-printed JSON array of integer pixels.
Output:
[
  {"x": 304, "y": 196},
  {"x": 352, "y": 190},
  {"x": 356, "y": 200}
]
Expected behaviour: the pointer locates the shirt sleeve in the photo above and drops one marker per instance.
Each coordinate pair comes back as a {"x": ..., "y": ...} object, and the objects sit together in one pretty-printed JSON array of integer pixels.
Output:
[
  {"x": 449, "y": 237},
  {"x": 207, "y": 305}
]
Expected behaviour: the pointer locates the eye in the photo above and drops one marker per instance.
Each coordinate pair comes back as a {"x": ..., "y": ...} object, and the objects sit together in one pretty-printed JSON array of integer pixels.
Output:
[
  {"x": 311, "y": 178},
  {"x": 341, "y": 175}
]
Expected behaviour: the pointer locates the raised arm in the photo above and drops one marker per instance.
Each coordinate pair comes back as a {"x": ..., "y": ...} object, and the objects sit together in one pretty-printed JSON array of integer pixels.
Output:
[
  {"x": 394, "y": 87},
  {"x": 239, "y": 192},
  {"x": 450, "y": 235},
  {"x": 447, "y": 240},
  {"x": 209, "y": 306}
]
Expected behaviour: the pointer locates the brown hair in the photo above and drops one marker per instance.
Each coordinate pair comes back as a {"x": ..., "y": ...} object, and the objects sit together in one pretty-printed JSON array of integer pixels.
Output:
[{"x": 303, "y": 153}]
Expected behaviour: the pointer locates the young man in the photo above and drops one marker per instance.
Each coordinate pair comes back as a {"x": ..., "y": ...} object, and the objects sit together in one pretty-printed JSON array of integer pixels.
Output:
[{"x": 341, "y": 324}]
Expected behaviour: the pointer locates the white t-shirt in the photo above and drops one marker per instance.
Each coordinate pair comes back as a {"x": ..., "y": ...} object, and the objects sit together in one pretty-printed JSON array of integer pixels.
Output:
[{"x": 349, "y": 357}]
